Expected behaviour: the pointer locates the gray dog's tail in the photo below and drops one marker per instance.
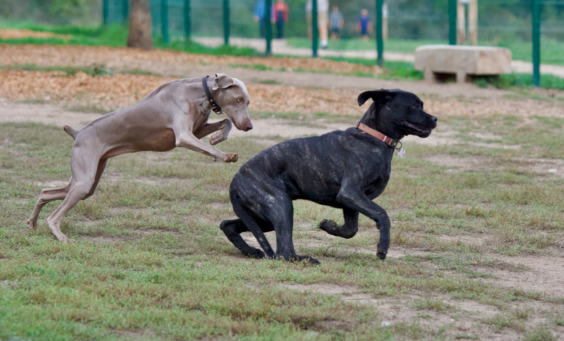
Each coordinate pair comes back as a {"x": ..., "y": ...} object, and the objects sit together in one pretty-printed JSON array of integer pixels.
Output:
[{"x": 71, "y": 131}]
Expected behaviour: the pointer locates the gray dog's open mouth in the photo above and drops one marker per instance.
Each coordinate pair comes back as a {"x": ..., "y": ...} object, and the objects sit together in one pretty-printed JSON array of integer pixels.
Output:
[{"x": 415, "y": 128}]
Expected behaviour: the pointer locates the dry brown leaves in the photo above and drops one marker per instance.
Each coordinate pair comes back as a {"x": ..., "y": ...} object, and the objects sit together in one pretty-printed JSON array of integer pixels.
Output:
[
  {"x": 123, "y": 58},
  {"x": 122, "y": 90},
  {"x": 8, "y": 33}
]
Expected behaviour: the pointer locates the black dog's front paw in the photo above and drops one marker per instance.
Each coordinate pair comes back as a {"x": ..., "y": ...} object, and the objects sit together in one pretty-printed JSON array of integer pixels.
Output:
[
  {"x": 381, "y": 254},
  {"x": 337, "y": 230},
  {"x": 308, "y": 259},
  {"x": 328, "y": 226},
  {"x": 255, "y": 253}
]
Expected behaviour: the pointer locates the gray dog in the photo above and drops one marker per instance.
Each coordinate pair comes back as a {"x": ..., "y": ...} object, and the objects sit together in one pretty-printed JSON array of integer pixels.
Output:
[
  {"x": 173, "y": 115},
  {"x": 342, "y": 169}
]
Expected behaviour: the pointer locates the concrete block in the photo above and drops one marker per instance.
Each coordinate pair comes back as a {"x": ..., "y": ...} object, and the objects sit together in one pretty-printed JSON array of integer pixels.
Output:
[{"x": 462, "y": 61}]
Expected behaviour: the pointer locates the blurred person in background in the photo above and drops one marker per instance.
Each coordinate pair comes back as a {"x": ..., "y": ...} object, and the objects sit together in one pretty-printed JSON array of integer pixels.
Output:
[
  {"x": 322, "y": 20},
  {"x": 364, "y": 25},
  {"x": 259, "y": 14},
  {"x": 336, "y": 23},
  {"x": 280, "y": 17}
]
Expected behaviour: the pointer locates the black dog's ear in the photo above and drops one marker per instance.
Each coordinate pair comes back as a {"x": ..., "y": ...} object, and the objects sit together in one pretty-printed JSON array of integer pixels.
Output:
[{"x": 376, "y": 95}]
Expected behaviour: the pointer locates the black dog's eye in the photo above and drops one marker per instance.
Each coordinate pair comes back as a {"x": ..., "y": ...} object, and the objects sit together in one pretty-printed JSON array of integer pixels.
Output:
[{"x": 416, "y": 106}]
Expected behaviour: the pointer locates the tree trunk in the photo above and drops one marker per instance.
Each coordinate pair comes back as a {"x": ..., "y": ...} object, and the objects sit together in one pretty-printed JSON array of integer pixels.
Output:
[
  {"x": 473, "y": 22},
  {"x": 140, "y": 25},
  {"x": 460, "y": 23}
]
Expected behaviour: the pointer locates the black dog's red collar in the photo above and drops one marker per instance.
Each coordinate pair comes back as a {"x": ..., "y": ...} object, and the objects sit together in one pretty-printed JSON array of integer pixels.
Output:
[{"x": 390, "y": 142}]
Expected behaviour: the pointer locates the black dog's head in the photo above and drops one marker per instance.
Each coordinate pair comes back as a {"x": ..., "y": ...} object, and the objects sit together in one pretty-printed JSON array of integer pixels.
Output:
[{"x": 397, "y": 113}]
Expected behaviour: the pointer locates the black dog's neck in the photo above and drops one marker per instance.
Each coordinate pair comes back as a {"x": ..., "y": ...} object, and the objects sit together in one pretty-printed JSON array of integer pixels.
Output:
[{"x": 386, "y": 129}]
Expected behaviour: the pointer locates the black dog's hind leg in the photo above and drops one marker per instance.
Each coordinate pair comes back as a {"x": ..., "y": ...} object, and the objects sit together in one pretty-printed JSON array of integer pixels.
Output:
[
  {"x": 252, "y": 226},
  {"x": 233, "y": 230},
  {"x": 348, "y": 230},
  {"x": 283, "y": 221}
]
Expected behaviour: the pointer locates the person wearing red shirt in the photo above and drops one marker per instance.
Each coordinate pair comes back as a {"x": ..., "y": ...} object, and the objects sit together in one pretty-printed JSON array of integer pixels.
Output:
[{"x": 280, "y": 16}]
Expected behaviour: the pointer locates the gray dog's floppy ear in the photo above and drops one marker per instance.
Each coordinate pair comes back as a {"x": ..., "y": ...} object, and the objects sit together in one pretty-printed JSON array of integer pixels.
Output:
[
  {"x": 222, "y": 81},
  {"x": 381, "y": 95}
]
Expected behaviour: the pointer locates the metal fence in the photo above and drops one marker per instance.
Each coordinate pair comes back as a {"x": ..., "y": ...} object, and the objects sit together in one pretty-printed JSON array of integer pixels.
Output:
[{"x": 532, "y": 29}]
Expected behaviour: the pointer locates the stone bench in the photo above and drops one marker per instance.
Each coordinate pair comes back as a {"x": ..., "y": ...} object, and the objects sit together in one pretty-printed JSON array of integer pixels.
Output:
[{"x": 462, "y": 61}]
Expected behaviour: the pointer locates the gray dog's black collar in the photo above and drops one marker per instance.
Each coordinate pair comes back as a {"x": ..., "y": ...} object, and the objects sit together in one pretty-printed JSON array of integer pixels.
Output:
[{"x": 215, "y": 107}]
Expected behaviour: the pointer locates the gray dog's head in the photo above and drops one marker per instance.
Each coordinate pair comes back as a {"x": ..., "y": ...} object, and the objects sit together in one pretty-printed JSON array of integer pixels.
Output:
[
  {"x": 232, "y": 96},
  {"x": 397, "y": 113}
]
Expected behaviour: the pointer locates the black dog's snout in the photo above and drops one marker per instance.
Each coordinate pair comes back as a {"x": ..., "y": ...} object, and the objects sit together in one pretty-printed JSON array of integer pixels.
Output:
[{"x": 434, "y": 119}]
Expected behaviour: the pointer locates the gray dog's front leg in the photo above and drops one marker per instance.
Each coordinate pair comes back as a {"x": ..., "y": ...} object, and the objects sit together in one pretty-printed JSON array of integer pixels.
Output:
[
  {"x": 188, "y": 140},
  {"x": 355, "y": 199},
  {"x": 220, "y": 129}
]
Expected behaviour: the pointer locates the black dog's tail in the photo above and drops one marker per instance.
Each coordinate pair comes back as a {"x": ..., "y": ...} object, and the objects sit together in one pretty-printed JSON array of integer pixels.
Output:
[{"x": 71, "y": 131}]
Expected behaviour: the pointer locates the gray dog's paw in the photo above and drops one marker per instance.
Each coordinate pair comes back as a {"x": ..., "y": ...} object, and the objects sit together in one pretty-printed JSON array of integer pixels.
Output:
[
  {"x": 255, "y": 253},
  {"x": 231, "y": 158},
  {"x": 217, "y": 137}
]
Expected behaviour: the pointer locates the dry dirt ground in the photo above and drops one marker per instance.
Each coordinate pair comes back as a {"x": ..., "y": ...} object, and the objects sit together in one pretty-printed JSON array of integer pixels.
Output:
[
  {"x": 55, "y": 98},
  {"x": 176, "y": 64}
]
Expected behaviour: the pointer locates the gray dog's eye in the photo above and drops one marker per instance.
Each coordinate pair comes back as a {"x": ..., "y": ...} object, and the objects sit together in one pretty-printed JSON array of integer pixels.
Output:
[{"x": 239, "y": 100}]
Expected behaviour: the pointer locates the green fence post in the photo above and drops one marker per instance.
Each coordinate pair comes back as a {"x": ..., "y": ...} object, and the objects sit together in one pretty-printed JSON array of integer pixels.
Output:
[
  {"x": 105, "y": 11},
  {"x": 125, "y": 9},
  {"x": 314, "y": 29},
  {"x": 187, "y": 22},
  {"x": 536, "y": 41},
  {"x": 164, "y": 21},
  {"x": 226, "y": 22},
  {"x": 268, "y": 27},
  {"x": 379, "y": 35},
  {"x": 452, "y": 4}
]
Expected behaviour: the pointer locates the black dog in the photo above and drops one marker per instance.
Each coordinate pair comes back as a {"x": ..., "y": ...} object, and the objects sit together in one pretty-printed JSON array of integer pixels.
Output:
[{"x": 341, "y": 169}]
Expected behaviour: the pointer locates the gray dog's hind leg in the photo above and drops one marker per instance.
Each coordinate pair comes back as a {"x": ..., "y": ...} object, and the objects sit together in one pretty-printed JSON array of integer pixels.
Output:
[
  {"x": 348, "y": 230},
  {"x": 47, "y": 195},
  {"x": 233, "y": 230}
]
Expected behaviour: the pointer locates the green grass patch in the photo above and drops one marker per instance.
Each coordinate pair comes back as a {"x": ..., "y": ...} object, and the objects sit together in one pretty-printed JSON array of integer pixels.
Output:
[
  {"x": 520, "y": 80},
  {"x": 152, "y": 263},
  {"x": 116, "y": 35}
]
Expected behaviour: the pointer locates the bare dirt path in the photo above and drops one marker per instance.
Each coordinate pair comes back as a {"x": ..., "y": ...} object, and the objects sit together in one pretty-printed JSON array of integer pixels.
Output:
[
  {"x": 280, "y": 47},
  {"x": 55, "y": 115},
  {"x": 177, "y": 64}
]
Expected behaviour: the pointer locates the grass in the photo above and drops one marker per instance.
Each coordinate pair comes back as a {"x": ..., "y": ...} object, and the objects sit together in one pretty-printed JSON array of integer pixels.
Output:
[
  {"x": 95, "y": 70},
  {"x": 151, "y": 262},
  {"x": 98, "y": 70},
  {"x": 116, "y": 35},
  {"x": 520, "y": 80}
]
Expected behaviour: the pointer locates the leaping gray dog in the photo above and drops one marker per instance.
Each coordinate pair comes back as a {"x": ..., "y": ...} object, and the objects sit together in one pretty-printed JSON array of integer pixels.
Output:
[{"x": 174, "y": 115}]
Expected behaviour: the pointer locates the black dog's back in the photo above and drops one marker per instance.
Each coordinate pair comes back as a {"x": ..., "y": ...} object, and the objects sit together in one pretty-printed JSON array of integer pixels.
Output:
[{"x": 308, "y": 168}]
